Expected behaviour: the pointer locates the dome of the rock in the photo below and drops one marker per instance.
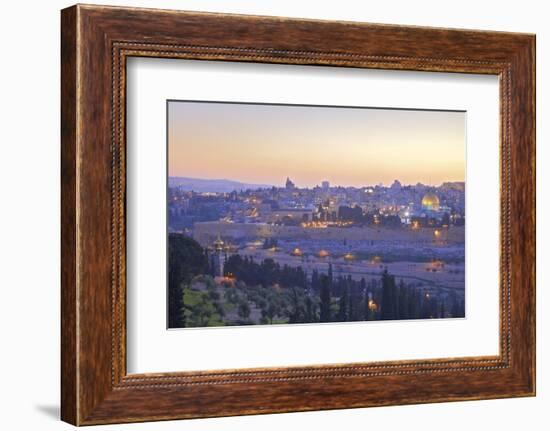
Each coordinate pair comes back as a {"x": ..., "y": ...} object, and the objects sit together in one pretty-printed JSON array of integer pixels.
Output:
[{"x": 430, "y": 202}]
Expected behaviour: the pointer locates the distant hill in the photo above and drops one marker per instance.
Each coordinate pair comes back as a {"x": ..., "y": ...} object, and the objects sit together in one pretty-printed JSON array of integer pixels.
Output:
[{"x": 212, "y": 186}]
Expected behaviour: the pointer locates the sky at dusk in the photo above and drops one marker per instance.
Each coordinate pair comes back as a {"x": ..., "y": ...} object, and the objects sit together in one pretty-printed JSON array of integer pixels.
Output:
[{"x": 263, "y": 144}]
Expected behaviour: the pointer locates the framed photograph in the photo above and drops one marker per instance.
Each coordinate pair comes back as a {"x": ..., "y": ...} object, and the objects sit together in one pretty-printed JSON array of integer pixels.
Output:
[
  {"x": 261, "y": 250},
  {"x": 267, "y": 215}
]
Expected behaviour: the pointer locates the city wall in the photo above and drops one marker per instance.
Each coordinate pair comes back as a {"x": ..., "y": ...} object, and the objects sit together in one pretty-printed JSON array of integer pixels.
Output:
[{"x": 206, "y": 232}]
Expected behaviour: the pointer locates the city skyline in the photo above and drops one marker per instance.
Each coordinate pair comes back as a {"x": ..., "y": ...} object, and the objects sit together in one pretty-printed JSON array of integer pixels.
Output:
[
  {"x": 349, "y": 147},
  {"x": 281, "y": 184}
]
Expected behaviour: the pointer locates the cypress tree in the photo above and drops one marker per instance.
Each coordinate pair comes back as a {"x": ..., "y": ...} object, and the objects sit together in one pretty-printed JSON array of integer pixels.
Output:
[
  {"x": 325, "y": 298},
  {"x": 403, "y": 306},
  {"x": 315, "y": 286},
  {"x": 389, "y": 304},
  {"x": 343, "y": 310}
]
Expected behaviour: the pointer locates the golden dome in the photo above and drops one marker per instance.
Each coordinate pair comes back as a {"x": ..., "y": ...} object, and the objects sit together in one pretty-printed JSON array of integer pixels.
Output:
[
  {"x": 430, "y": 202},
  {"x": 218, "y": 244}
]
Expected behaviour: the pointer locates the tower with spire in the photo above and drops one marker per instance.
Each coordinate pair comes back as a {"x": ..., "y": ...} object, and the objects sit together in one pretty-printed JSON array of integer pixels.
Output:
[
  {"x": 289, "y": 185},
  {"x": 218, "y": 257}
]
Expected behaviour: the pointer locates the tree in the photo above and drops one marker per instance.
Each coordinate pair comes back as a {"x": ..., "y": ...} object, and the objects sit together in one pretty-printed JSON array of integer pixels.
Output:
[
  {"x": 457, "y": 307},
  {"x": 243, "y": 310},
  {"x": 325, "y": 298},
  {"x": 356, "y": 293},
  {"x": 442, "y": 310},
  {"x": 389, "y": 302},
  {"x": 426, "y": 306},
  {"x": 343, "y": 303},
  {"x": 201, "y": 312},
  {"x": 315, "y": 285},
  {"x": 415, "y": 305},
  {"x": 310, "y": 310},
  {"x": 295, "y": 309},
  {"x": 273, "y": 307},
  {"x": 365, "y": 296},
  {"x": 186, "y": 259},
  {"x": 403, "y": 302}
]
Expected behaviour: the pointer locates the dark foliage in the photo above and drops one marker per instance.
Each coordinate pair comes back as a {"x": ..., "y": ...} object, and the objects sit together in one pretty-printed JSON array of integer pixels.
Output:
[
  {"x": 325, "y": 298},
  {"x": 186, "y": 259}
]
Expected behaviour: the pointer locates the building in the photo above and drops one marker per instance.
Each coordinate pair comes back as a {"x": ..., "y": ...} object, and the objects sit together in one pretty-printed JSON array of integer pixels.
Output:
[
  {"x": 218, "y": 257},
  {"x": 288, "y": 215},
  {"x": 325, "y": 185},
  {"x": 431, "y": 213},
  {"x": 396, "y": 185},
  {"x": 289, "y": 185},
  {"x": 430, "y": 202}
]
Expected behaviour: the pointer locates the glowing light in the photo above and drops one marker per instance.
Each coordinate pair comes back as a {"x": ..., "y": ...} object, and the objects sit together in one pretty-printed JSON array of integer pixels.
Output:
[
  {"x": 349, "y": 256},
  {"x": 376, "y": 260},
  {"x": 218, "y": 244}
]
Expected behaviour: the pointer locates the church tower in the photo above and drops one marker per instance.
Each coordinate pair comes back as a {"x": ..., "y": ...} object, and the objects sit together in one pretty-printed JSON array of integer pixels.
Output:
[{"x": 218, "y": 257}]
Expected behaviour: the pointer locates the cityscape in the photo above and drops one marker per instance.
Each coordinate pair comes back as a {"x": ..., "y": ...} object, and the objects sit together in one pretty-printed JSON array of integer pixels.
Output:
[{"x": 255, "y": 251}]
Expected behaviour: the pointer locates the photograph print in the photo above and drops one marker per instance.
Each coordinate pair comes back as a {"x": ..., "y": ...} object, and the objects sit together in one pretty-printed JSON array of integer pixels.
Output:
[{"x": 299, "y": 214}]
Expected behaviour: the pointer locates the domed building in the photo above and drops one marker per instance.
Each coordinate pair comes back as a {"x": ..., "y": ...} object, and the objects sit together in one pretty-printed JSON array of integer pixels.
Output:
[
  {"x": 429, "y": 213},
  {"x": 430, "y": 202}
]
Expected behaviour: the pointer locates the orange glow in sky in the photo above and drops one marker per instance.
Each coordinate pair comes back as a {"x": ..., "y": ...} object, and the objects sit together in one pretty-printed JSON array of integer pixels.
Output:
[{"x": 263, "y": 144}]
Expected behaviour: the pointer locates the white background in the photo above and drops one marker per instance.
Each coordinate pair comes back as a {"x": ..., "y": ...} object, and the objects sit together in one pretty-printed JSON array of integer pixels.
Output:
[
  {"x": 151, "y": 348},
  {"x": 29, "y": 216}
]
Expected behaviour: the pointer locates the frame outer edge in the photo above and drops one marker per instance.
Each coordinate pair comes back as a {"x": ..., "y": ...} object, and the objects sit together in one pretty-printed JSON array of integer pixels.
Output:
[
  {"x": 87, "y": 397},
  {"x": 69, "y": 197},
  {"x": 529, "y": 63},
  {"x": 523, "y": 216},
  {"x": 533, "y": 53}
]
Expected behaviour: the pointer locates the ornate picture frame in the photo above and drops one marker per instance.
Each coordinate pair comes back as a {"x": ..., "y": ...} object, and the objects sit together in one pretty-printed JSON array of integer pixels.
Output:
[{"x": 96, "y": 41}]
